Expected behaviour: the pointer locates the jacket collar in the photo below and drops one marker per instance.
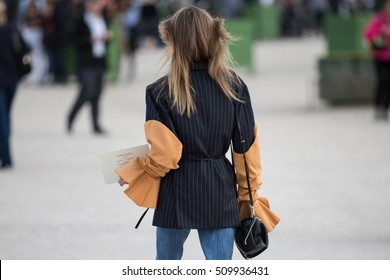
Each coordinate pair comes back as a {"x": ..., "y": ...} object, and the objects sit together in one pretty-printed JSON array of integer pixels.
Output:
[{"x": 199, "y": 65}]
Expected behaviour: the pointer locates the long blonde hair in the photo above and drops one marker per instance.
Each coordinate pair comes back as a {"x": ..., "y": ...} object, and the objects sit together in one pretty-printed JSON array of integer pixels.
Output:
[
  {"x": 3, "y": 13},
  {"x": 192, "y": 35}
]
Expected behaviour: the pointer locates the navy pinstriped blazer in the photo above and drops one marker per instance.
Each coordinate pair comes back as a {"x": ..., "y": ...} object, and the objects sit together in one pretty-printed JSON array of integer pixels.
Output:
[{"x": 200, "y": 193}]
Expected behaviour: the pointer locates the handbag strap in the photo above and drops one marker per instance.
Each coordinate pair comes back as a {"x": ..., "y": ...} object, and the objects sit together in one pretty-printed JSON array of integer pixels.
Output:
[
  {"x": 242, "y": 141},
  {"x": 141, "y": 218},
  {"x": 234, "y": 169}
]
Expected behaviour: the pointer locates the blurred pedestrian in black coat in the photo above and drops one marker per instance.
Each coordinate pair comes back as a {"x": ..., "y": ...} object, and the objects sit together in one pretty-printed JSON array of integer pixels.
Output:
[
  {"x": 91, "y": 36},
  {"x": 9, "y": 75},
  {"x": 63, "y": 18},
  {"x": 148, "y": 25}
]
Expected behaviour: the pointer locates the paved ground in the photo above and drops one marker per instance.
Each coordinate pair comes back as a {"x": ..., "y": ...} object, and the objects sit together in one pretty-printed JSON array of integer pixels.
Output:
[{"x": 326, "y": 170}]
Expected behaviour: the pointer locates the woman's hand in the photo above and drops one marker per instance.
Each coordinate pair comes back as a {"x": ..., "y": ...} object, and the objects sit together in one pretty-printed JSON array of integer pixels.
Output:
[
  {"x": 121, "y": 182},
  {"x": 108, "y": 36}
]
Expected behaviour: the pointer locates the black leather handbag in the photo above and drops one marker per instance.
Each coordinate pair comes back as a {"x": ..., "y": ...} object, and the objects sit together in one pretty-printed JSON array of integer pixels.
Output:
[
  {"x": 251, "y": 237},
  {"x": 21, "y": 52}
]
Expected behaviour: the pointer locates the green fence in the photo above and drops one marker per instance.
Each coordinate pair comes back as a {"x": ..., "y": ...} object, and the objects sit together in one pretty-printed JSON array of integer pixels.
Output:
[
  {"x": 70, "y": 59},
  {"x": 114, "y": 50},
  {"x": 266, "y": 21},
  {"x": 242, "y": 49},
  {"x": 346, "y": 80},
  {"x": 345, "y": 35},
  {"x": 346, "y": 73}
]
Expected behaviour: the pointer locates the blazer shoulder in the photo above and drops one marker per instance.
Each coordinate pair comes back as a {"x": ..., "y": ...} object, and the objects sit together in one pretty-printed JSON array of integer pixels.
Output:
[
  {"x": 158, "y": 89},
  {"x": 158, "y": 84},
  {"x": 239, "y": 86}
]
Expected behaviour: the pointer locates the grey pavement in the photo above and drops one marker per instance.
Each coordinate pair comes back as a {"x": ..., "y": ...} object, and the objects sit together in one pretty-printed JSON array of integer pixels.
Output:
[{"x": 326, "y": 170}]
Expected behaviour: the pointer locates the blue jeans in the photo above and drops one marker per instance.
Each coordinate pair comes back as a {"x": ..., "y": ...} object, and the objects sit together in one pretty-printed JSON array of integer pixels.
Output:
[
  {"x": 6, "y": 97},
  {"x": 217, "y": 244}
]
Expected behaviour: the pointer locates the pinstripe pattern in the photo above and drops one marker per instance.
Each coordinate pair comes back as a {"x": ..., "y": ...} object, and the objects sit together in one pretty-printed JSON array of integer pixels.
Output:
[{"x": 200, "y": 194}]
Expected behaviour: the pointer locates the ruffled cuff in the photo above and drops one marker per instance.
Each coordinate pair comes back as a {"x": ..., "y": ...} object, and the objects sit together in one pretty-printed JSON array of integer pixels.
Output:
[
  {"x": 143, "y": 189},
  {"x": 143, "y": 174}
]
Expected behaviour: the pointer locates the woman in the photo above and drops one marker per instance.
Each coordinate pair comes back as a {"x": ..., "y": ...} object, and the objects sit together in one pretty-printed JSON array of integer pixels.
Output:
[
  {"x": 131, "y": 23},
  {"x": 11, "y": 42},
  {"x": 377, "y": 33},
  {"x": 190, "y": 122},
  {"x": 91, "y": 37}
]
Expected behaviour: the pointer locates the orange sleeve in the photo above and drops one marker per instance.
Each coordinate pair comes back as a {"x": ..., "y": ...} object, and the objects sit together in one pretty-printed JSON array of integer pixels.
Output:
[
  {"x": 261, "y": 204},
  {"x": 143, "y": 174}
]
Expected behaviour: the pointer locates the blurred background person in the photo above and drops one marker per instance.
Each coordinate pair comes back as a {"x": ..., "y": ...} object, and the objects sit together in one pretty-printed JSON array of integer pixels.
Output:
[
  {"x": 377, "y": 33},
  {"x": 9, "y": 76},
  {"x": 31, "y": 15},
  {"x": 131, "y": 21},
  {"x": 342, "y": 8},
  {"x": 57, "y": 35},
  {"x": 229, "y": 8},
  {"x": 291, "y": 17},
  {"x": 365, "y": 5},
  {"x": 266, "y": 2},
  {"x": 49, "y": 37},
  {"x": 148, "y": 24},
  {"x": 114, "y": 12},
  {"x": 317, "y": 8},
  {"x": 90, "y": 38},
  {"x": 334, "y": 6}
]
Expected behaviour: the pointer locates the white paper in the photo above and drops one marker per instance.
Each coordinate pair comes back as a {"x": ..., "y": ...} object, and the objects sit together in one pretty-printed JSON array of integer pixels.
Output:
[{"x": 109, "y": 161}]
